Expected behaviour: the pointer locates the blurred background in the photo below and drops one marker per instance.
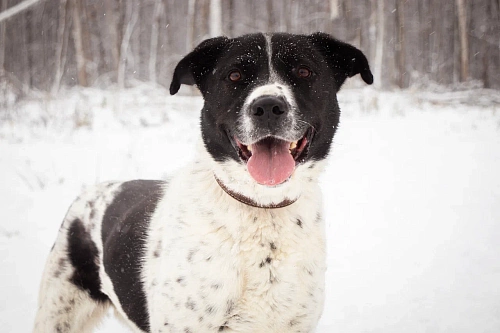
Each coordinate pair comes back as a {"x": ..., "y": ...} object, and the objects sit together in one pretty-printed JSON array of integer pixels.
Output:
[
  {"x": 412, "y": 186},
  {"x": 46, "y": 44}
]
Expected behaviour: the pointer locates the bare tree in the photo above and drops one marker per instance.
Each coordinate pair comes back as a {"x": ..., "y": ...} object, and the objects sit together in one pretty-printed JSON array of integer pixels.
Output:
[
  {"x": 131, "y": 18},
  {"x": 215, "y": 18},
  {"x": 334, "y": 9},
  {"x": 228, "y": 9},
  {"x": 3, "y": 7},
  {"x": 8, "y": 13},
  {"x": 379, "y": 50},
  {"x": 111, "y": 33},
  {"x": 153, "y": 50},
  {"x": 81, "y": 62},
  {"x": 400, "y": 44},
  {"x": 61, "y": 32},
  {"x": 190, "y": 24},
  {"x": 464, "y": 41},
  {"x": 87, "y": 49}
]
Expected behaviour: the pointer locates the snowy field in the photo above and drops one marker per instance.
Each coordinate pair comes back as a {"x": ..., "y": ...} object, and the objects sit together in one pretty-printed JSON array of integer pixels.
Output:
[{"x": 412, "y": 198}]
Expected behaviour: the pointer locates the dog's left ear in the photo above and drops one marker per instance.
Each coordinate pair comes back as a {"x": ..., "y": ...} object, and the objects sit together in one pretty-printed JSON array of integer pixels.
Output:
[
  {"x": 344, "y": 59},
  {"x": 193, "y": 67}
]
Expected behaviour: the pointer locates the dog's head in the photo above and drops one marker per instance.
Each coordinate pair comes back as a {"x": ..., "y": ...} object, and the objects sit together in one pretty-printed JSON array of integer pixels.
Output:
[{"x": 270, "y": 110}]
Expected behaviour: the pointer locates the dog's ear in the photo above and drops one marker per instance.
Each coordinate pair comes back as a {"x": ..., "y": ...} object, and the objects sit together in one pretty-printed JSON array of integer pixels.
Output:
[
  {"x": 345, "y": 60},
  {"x": 193, "y": 67}
]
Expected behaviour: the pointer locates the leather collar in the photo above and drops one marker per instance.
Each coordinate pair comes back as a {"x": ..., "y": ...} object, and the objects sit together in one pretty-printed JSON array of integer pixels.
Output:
[{"x": 247, "y": 201}]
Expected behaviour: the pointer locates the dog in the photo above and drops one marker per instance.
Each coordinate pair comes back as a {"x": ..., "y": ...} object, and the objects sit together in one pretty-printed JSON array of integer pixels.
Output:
[{"x": 235, "y": 241}]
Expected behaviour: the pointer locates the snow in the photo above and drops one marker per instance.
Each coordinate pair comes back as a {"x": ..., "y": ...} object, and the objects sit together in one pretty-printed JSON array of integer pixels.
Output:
[{"x": 412, "y": 195}]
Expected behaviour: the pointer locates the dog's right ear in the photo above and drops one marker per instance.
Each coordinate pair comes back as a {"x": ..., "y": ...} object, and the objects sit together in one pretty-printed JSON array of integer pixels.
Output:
[{"x": 193, "y": 67}]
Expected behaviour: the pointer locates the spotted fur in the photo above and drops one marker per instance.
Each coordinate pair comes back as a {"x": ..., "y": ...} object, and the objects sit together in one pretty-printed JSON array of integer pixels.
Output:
[{"x": 185, "y": 256}]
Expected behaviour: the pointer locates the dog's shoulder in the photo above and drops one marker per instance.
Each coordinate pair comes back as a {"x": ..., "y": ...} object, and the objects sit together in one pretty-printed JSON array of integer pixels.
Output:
[
  {"x": 124, "y": 230},
  {"x": 132, "y": 205},
  {"x": 108, "y": 224}
]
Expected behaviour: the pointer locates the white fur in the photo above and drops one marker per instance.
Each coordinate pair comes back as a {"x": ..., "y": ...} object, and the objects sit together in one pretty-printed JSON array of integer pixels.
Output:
[
  {"x": 248, "y": 128},
  {"x": 285, "y": 295},
  {"x": 274, "y": 87},
  {"x": 273, "y": 76},
  {"x": 62, "y": 306}
]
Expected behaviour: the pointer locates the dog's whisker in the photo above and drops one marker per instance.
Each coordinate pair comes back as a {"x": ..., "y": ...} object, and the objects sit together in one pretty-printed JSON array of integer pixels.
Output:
[{"x": 307, "y": 123}]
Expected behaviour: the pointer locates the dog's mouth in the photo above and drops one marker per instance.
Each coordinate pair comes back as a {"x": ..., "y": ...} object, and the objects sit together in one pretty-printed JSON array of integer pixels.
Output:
[{"x": 271, "y": 161}]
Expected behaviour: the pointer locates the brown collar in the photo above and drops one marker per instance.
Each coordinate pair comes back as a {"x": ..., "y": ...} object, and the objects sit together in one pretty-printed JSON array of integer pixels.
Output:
[{"x": 247, "y": 201}]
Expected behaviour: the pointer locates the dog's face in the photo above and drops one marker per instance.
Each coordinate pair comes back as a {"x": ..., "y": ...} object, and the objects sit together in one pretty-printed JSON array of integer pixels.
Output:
[{"x": 270, "y": 101}]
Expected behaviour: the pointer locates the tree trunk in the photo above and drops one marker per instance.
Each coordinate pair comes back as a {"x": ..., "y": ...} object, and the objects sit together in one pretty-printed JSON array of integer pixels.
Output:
[
  {"x": 190, "y": 25},
  {"x": 334, "y": 9},
  {"x": 130, "y": 21},
  {"x": 86, "y": 43},
  {"x": 8, "y": 13},
  {"x": 230, "y": 15},
  {"x": 3, "y": 7},
  {"x": 81, "y": 63},
  {"x": 464, "y": 41},
  {"x": 379, "y": 50},
  {"x": 400, "y": 44},
  {"x": 153, "y": 49},
  {"x": 215, "y": 18},
  {"x": 270, "y": 17},
  {"x": 61, "y": 31},
  {"x": 372, "y": 29},
  {"x": 111, "y": 33}
]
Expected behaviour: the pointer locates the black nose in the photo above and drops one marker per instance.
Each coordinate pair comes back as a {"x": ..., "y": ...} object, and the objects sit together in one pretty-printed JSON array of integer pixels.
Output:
[{"x": 268, "y": 107}]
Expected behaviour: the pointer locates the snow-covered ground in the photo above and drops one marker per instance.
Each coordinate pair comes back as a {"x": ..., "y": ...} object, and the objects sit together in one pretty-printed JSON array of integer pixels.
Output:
[{"x": 412, "y": 198}]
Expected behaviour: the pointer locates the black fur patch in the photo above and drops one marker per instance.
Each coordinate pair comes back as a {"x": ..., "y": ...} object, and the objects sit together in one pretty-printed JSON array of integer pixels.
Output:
[
  {"x": 124, "y": 229},
  {"x": 330, "y": 61},
  {"x": 84, "y": 255}
]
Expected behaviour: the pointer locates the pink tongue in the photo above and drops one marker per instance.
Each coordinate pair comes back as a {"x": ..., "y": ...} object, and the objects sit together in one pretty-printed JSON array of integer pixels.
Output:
[{"x": 271, "y": 162}]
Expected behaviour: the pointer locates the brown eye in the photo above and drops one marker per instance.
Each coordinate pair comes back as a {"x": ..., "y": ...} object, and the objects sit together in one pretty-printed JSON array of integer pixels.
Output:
[
  {"x": 235, "y": 76},
  {"x": 303, "y": 72}
]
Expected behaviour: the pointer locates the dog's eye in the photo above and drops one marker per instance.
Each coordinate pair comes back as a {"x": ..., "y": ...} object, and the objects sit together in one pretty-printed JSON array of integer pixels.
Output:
[
  {"x": 234, "y": 76},
  {"x": 303, "y": 72}
]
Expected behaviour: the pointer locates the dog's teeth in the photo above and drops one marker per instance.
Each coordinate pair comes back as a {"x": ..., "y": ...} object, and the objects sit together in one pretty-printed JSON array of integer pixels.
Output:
[
  {"x": 293, "y": 145},
  {"x": 249, "y": 147}
]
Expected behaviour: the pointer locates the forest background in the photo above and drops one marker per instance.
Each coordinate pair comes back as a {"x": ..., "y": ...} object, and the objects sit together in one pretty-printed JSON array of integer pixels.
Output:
[{"x": 47, "y": 44}]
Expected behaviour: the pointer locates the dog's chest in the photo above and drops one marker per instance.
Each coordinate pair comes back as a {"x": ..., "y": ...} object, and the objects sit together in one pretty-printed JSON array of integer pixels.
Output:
[
  {"x": 257, "y": 269},
  {"x": 280, "y": 273}
]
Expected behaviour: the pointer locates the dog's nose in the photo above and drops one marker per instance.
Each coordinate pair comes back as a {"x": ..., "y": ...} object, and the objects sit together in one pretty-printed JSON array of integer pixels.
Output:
[{"x": 269, "y": 107}]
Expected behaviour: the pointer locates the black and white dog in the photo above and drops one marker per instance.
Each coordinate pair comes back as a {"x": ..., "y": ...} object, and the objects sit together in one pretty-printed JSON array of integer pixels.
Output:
[{"x": 235, "y": 241}]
